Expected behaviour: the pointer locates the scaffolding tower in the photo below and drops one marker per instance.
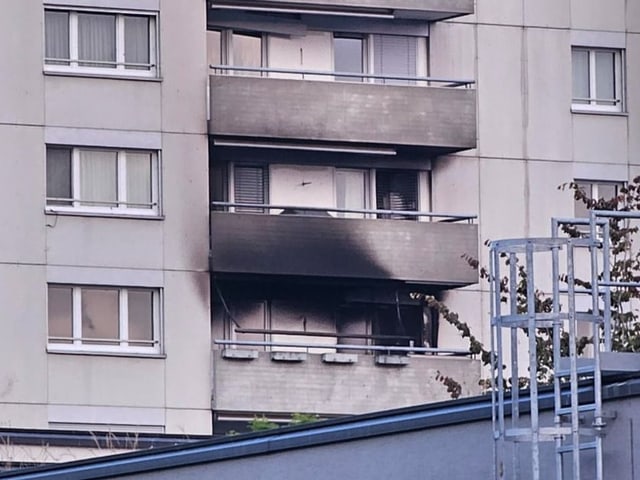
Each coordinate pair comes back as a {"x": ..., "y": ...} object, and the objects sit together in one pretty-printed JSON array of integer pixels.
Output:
[{"x": 520, "y": 269}]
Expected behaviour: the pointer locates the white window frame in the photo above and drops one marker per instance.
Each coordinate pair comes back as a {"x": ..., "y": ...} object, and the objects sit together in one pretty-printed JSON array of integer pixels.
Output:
[
  {"x": 120, "y": 206},
  {"x": 120, "y": 69},
  {"x": 593, "y": 105},
  {"x": 78, "y": 344}
]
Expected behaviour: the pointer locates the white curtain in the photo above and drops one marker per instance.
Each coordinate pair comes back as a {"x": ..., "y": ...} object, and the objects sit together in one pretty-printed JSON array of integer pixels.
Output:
[
  {"x": 605, "y": 77},
  {"x": 98, "y": 177},
  {"x": 136, "y": 41},
  {"x": 56, "y": 36},
  {"x": 350, "y": 191},
  {"x": 97, "y": 39},
  {"x": 140, "y": 315},
  {"x": 139, "y": 177}
]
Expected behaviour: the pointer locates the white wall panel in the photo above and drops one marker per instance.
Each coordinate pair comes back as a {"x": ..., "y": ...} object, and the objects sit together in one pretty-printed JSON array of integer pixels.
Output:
[
  {"x": 599, "y": 14},
  {"x": 22, "y": 193},
  {"x": 500, "y": 111}
]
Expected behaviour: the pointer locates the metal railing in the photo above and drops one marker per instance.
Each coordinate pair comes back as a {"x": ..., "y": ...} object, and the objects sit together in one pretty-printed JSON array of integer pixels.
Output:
[
  {"x": 361, "y": 77},
  {"x": 366, "y": 213},
  {"x": 342, "y": 346}
]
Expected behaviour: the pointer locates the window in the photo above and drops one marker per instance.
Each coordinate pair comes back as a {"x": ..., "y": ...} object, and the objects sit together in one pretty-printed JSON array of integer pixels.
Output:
[
  {"x": 100, "y": 42},
  {"x": 103, "y": 319},
  {"x": 597, "y": 79},
  {"x": 397, "y": 190},
  {"x": 250, "y": 185},
  {"x": 102, "y": 181},
  {"x": 596, "y": 190},
  {"x": 349, "y": 57}
]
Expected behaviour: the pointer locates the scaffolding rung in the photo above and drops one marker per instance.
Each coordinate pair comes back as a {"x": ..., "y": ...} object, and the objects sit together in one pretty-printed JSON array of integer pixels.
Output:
[
  {"x": 582, "y": 446},
  {"x": 587, "y": 407},
  {"x": 588, "y": 317},
  {"x": 545, "y": 434}
]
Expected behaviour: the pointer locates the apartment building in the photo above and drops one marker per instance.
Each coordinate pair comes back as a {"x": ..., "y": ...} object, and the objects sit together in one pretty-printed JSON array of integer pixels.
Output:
[
  {"x": 104, "y": 254},
  {"x": 230, "y": 208}
]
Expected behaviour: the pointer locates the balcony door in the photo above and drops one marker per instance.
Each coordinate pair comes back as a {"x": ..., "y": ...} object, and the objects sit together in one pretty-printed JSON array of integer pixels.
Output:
[{"x": 395, "y": 55}]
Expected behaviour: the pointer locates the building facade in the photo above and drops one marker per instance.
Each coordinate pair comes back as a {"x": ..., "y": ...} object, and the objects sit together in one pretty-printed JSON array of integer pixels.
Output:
[{"x": 231, "y": 208}]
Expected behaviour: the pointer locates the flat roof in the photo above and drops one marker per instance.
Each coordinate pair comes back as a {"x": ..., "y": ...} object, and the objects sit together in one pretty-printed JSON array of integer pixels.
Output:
[{"x": 344, "y": 429}]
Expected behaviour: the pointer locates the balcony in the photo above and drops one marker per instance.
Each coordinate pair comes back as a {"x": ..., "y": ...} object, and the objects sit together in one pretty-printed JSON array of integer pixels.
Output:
[
  {"x": 434, "y": 115},
  {"x": 417, "y": 252},
  {"x": 419, "y": 9},
  {"x": 335, "y": 383}
]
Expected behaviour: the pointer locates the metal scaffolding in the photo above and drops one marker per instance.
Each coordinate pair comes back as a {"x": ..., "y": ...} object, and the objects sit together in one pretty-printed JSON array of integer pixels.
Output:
[{"x": 520, "y": 270}]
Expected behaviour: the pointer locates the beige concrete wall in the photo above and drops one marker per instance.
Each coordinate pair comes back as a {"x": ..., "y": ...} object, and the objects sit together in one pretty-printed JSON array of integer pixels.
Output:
[{"x": 311, "y": 386}]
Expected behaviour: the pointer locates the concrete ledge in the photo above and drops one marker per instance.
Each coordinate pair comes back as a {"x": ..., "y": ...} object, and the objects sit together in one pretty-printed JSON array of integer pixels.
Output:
[
  {"x": 393, "y": 360},
  {"x": 239, "y": 354},
  {"x": 345, "y": 358},
  {"x": 288, "y": 356}
]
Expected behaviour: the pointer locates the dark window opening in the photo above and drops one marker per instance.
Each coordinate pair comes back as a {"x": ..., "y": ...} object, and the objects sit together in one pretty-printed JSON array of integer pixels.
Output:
[{"x": 397, "y": 190}]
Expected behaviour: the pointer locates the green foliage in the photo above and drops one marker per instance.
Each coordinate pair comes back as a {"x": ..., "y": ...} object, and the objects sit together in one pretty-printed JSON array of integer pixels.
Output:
[
  {"x": 625, "y": 262},
  {"x": 302, "y": 418},
  {"x": 259, "y": 424}
]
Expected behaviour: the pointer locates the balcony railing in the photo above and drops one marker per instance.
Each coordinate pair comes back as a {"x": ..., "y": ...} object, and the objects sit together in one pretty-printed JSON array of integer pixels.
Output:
[
  {"x": 310, "y": 242},
  {"x": 361, "y": 77},
  {"x": 343, "y": 346},
  {"x": 436, "y": 114},
  {"x": 365, "y": 212}
]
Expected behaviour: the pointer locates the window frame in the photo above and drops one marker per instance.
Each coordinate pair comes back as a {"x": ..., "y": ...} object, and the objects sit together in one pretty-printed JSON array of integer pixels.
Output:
[
  {"x": 80, "y": 344},
  {"x": 120, "y": 69},
  {"x": 78, "y": 205},
  {"x": 365, "y": 53},
  {"x": 618, "y": 82}
]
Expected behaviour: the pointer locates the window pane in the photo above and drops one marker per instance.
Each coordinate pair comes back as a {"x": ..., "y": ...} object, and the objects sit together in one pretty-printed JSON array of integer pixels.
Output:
[
  {"x": 60, "y": 313},
  {"x": 350, "y": 191},
  {"x": 98, "y": 174},
  {"x": 139, "y": 178},
  {"x": 56, "y": 26},
  {"x": 140, "y": 317},
  {"x": 97, "y": 39},
  {"x": 580, "y": 209},
  {"x": 580, "y": 67},
  {"x": 136, "y": 42},
  {"x": 605, "y": 78},
  {"x": 247, "y": 52},
  {"x": 607, "y": 191},
  {"x": 348, "y": 57},
  {"x": 100, "y": 318},
  {"x": 58, "y": 175}
]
